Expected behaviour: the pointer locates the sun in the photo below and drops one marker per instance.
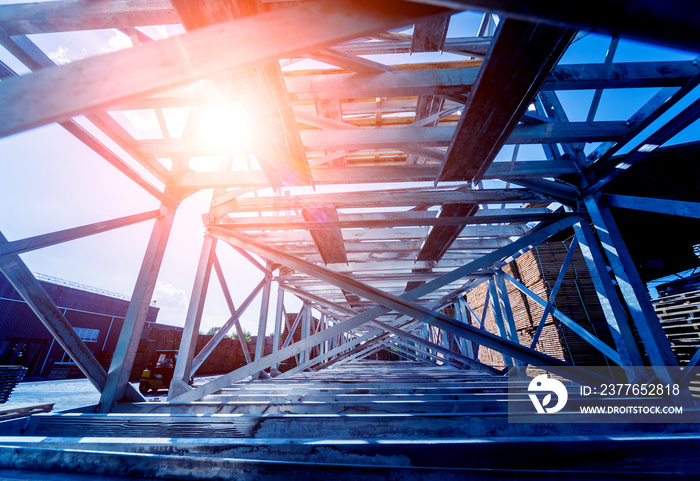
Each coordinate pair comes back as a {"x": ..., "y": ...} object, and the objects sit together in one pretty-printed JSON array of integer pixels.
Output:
[{"x": 227, "y": 127}]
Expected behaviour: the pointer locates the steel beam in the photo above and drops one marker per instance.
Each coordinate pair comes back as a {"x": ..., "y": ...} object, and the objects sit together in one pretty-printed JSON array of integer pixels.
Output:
[
  {"x": 233, "y": 320},
  {"x": 417, "y": 173},
  {"x": 460, "y": 80},
  {"x": 528, "y": 51},
  {"x": 188, "y": 342},
  {"x": 235, "y": 313},
  {"x": 498, "y": 317},
  {"x": 393, "y": 302},
  {"x": 444, "y": 350},
  {"x": 103, "y": 80},
  {"x": 673, "y": 127},
  {"x": 396, "y": 219},
  {"x": 670, "y": 23},
  {"x": 262, "y": 320},
  {"x": 607, "y": 295},
  {"x": 517, "y": 247},
  {"x": 631, "y": 286},
  {"x": 570, "y": 323},
  {"x": 416, "y": 354},
  {"x": 279, "y": 313},
  {"x": 660, "y": 206},
  {"x": 554, "y": 291},
  {"x": 38, "y": 242},
  {"x": 123, "y": 358},
  {"x": 338, "y": 351},
  {"x": 26, "y": 285},
  {"x": 68, "y": 16},
  {"x": 34, "y": 58}
]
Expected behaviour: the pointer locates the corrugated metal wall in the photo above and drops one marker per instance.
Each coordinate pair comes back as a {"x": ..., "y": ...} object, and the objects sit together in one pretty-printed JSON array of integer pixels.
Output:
[{"x": 21, "y": 329}]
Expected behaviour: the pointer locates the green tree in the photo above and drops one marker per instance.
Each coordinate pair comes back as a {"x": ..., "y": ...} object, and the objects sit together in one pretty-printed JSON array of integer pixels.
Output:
[
  {"x": 212, "y": 331},
  {"x": 245, "y": 333},
  {"x": 215, "y": 329}
]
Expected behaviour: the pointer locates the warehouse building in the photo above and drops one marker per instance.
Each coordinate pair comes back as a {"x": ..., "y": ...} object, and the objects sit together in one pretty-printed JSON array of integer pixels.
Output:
[{"x": 96, "y": 315}]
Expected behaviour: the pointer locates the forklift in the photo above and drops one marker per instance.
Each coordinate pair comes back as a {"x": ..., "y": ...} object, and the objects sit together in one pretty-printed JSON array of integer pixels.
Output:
[{"x": 159, "y": 374}]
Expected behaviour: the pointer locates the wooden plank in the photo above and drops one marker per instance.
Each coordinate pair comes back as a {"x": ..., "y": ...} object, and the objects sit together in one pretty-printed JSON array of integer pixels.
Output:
[
  {"x": 349, "y": 61},
  {"x": 442, "y": 237},
  {"x": 428, "y": 106},
  {"x": 90, "y": 84},
  {"x": 328, "y": 241},
  {"x": 429, "y": 34},
  {"x": 475, "y": 46},
  {"x": 330, "y": 108},
  {"x": 520, "y": 59}
]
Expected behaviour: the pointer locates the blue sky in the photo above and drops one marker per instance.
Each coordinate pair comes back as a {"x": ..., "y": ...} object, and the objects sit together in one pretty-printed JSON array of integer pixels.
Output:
[{"x": 51, "y": 181}]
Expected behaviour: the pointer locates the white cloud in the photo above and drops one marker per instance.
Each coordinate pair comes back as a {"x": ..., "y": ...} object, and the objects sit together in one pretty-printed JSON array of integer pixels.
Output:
[
  {"x": 60, "y": 56},
  {"x": 172, "y": 302},
  {"x": 118, "y": 41}
]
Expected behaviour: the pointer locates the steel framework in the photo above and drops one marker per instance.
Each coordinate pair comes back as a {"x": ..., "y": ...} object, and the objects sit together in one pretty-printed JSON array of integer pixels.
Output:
[{"x": 376, "y": 192}]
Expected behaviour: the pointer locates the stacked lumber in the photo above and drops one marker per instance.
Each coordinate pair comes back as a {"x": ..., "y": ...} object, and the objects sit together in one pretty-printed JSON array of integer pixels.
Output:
[{"x": 679, "y": 315}]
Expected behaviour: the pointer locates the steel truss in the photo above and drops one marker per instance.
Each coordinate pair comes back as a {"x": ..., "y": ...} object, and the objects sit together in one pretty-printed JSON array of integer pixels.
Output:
[{"x": 380, "y": 268}]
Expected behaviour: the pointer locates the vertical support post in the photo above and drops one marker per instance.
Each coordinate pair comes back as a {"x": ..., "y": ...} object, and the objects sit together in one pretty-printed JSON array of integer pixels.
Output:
[
  {"x": 125, "y": 351},
  {"x": 426, "y": 332},
  {"x": 444, "y": 338},
  {"x": 188, "y": 342},
  {"x": 279, "y": 313},
  {"x": 326, "y": 325},
  {"x": 498, "y": 316},
  {"x": 607, "y": 295},
  {"x": 466, "y": 346},
  {"x": 482, "y": 320},
  {"x": 306, "y": 331},
  {"x": 507, "y": 310},
  {"x": 460, "y": 316},
  {"x": 262, "y": 323},
  {"x": 631, "y": 286}
]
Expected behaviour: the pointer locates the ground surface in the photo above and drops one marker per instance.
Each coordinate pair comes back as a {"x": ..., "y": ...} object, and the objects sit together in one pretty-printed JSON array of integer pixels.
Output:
[{"x": 66, "y": 394}]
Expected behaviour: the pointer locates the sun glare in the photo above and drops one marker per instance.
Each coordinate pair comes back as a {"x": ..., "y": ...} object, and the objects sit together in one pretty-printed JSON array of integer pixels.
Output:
[{"x": 227, "y": 127}]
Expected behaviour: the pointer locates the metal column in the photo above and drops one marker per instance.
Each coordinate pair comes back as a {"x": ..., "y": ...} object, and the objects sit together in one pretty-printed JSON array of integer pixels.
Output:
[
  {"x": 188, "y": 343},
  {"x": 125, "y": 352}
]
